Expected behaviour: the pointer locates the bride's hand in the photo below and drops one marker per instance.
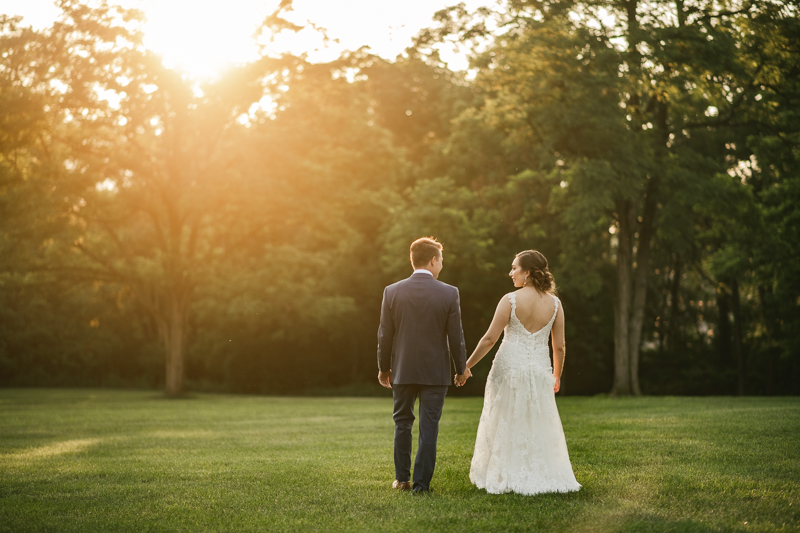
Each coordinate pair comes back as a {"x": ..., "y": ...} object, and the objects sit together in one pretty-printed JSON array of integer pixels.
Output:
[
  {"x": 557, "y": 386},
  {"x": 460, "y": 379}
]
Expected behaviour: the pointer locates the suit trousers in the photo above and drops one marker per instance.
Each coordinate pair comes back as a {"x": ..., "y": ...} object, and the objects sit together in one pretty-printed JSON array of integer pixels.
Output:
[{"x": 431, "y": 401}]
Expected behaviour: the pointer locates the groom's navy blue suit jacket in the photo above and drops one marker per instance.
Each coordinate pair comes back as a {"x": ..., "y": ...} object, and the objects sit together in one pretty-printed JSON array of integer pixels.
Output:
[{"x": 421, "y": 331}]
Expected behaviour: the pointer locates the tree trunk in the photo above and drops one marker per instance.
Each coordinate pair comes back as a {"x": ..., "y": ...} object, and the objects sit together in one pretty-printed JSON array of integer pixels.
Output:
[
  {"x": 772, "y": 330},
  {"x": 622, "y": 372},
  {"x": 171, "y": 312},
  {"x": 646, "y": 229},
  {"x": 640, "y": 283},
  {"x": 674, "y": 309},
  {"x": 175, "y": 347},
  {"x": 724, "y": 330},
  {"x": 737, "y": 334},
  {"x": 627, "y": 221},
  {"x": 679, "y": 9}
]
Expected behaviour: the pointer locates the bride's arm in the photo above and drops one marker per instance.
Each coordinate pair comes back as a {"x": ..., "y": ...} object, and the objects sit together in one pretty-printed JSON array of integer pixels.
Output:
[
  {"x": 559, "y": 346},
  {"x": 501, "y": 316}
]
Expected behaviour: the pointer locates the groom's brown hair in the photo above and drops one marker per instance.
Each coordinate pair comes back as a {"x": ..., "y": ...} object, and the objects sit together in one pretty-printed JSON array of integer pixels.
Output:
[{"x": 423, "y": 250}]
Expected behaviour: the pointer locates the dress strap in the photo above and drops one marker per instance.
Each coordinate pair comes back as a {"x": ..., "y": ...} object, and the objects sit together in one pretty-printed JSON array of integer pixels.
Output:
[
  {"x": 555, "y": 310},
  {"x": 512, "y": 297}
]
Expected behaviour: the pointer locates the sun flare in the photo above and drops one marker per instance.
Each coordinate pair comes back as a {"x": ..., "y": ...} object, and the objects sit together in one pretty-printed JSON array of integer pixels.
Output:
[{"x": 205, "y": 37}]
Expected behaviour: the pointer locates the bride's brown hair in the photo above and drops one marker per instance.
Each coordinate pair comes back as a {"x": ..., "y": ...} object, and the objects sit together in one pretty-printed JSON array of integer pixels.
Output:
[{"x": 538, "y": 273}]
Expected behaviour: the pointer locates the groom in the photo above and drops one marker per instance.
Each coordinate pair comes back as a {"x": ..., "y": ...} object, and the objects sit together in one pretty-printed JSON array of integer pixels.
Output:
[{"x": 420, "y": 325}]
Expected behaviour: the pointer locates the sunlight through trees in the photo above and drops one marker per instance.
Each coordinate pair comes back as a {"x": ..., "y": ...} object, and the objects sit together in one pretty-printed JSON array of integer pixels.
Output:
[{"x": 236, "y": 233}]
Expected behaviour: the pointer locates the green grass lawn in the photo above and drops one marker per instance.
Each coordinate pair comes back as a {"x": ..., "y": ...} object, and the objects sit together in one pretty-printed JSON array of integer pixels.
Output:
[{"x": 100, "y": 460}]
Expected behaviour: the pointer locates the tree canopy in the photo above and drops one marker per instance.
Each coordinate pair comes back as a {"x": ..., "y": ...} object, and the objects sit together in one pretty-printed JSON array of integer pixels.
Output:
[{"x": 236, "y": 234}]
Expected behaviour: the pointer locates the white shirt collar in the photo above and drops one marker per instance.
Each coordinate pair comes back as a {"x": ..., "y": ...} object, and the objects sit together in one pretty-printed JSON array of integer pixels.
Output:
[{"x": 423, "y": 271}]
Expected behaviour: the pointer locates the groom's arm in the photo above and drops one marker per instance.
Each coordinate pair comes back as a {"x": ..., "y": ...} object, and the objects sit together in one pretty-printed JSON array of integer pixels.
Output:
[
  {"x": 385, "y": 336},
  {"x": 455, "y": 335}
]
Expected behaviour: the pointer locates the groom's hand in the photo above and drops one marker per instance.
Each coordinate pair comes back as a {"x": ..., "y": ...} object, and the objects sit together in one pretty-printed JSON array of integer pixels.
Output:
[
  {"x": 460, "y": 379},
  {"x": 385, "y": 379}
]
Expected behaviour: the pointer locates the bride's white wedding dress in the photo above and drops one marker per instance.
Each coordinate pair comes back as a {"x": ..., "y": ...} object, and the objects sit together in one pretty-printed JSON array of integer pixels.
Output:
[{"x": 520, "y": 445}]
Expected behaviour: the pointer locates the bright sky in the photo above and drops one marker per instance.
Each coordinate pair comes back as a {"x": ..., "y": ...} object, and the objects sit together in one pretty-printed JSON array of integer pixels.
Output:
[{"x": 203, "y": 36}]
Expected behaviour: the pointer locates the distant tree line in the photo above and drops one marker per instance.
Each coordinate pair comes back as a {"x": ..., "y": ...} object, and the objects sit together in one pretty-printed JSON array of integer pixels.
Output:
[{"x": 236, "y": 234}]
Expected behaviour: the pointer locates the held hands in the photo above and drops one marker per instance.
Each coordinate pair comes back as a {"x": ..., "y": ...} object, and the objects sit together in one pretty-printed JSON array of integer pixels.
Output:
[
  {"x": 385, "y": 378},
  {"x": 460, "y": 379}
]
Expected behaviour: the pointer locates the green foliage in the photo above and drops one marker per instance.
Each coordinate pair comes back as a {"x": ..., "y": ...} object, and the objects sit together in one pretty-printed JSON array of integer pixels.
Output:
[
  {"x": 128, "y": 191},
  {"x": 452, "y": 214},
  {"x": 612, "y": 121},
  {"x": 68, "y": 335},
  {"x": 179, "y": 192}
]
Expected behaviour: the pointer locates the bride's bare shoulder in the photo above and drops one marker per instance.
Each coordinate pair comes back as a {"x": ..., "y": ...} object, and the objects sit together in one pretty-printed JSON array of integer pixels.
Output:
[{"x": 505, "y": 301}]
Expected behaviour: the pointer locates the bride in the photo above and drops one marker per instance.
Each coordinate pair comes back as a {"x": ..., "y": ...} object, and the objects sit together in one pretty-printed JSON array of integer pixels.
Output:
[{"x": 520, "y": 445}]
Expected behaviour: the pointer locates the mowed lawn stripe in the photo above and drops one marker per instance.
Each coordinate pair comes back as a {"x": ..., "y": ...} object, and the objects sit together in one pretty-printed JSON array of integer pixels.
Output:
[{"x": 104, "y": 460}]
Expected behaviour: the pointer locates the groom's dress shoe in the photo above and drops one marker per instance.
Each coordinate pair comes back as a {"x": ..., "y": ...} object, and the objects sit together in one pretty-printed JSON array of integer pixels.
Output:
[{"x": 401, "y": 485}]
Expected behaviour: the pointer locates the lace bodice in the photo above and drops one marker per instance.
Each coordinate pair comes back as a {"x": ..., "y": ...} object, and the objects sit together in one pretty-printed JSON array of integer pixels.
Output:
[{"x": 530, "y": 349}]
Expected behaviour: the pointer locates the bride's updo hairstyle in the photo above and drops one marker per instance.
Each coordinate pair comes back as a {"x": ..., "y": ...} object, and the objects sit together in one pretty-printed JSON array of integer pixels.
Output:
[{"x": 539, "y": 275}]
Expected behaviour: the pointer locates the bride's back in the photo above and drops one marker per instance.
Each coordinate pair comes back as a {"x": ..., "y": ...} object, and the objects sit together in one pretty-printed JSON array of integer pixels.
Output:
[{"x": 534, "y": 309}]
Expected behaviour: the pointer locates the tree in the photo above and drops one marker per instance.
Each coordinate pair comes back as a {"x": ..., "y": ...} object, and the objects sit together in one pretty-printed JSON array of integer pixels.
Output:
[
  {"x": 598, "y": 99},
  {"x": 751, "y": 232},
  {"x": 163, "y": 184}
]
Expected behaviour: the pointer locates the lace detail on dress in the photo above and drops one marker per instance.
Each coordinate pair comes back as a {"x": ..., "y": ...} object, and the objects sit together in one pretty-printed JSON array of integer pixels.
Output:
[
  {"x": 520, "y": 446},
  {"x": 531, "y": 349}
]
